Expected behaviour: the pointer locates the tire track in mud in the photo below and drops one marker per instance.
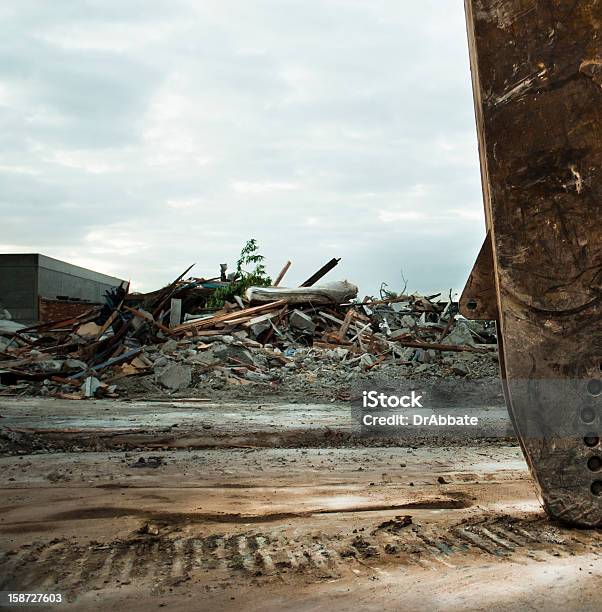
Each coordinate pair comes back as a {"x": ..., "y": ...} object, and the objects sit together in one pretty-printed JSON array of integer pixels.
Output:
[{"x": 169, "y": 559}]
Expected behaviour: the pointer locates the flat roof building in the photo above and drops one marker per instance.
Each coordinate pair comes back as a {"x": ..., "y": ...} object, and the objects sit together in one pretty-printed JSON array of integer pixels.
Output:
[{"x": 35, "y": 288}]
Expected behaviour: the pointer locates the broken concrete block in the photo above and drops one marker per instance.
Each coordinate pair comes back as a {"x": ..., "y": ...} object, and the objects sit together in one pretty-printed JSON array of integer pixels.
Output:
[
  {"x": 366, "y": 360},
  {"x": 256, "y": 376},
  {"x": 408, "y": 321},
  {"x": 51, "y": 365},
  {"x": 460, "y": 335},
  {"x": 74, "y": 364},
  {"x": 299, "y": 320},
  {"x": 384, "y": 326},
  {"x": 460, "y": 369},
  {"x": 400, "y": 333},
  {"x": 90, "y": 386},
  {"x": 407, "y": 354},
  {"x": 137, "y": 323},
  {"x": 238, "y": 353},
  {"x": 175, "y": 312},
  {"x": 174, "y": 377},
  {"x": 6, "y": 325},
  {"x": 421, "y": 356},
  {"x": 161, "y": 362},
  {"x": 217, "y": 339},
  {"x": 88, "y": 330},
  {"x": 207, "y": 359},
  {"x": 342, "y": 352},
  {"x": 259, "y": 325},
  {"x": 329, "y": 293},
  {"x": 397, "y": 307},
  {"x": 169, "y": 347}
]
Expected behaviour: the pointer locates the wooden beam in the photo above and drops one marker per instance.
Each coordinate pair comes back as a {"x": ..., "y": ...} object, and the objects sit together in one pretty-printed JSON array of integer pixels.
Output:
[
  {"x": 323, "y": 271},
  {"x": 345, "y": 326},
  {"x": 281, "y": 274},
  {"x": 227, "y": 317}
]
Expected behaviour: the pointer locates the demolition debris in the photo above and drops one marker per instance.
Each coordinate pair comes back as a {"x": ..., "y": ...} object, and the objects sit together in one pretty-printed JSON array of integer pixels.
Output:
[{"x": 208, "y": 333}]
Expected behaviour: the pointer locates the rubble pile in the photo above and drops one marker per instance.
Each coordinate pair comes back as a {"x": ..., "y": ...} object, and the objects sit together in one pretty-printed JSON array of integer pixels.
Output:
[{"x": 169, "y": 340}]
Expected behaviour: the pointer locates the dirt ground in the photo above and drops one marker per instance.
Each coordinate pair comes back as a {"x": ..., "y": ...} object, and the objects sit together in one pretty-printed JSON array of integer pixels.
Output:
[{"x": 197, "y": 505}]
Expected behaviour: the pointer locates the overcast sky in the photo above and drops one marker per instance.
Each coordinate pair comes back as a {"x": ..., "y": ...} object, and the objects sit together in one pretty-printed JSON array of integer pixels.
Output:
[{"x": 139, "y": 137}]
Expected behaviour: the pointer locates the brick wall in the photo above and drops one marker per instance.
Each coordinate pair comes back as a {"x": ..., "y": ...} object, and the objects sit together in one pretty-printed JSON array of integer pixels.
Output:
[{"x": 55, "y": 310}]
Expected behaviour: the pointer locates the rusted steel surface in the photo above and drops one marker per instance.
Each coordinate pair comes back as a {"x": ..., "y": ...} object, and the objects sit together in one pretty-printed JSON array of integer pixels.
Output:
[
  {"x": 479, "y": 298},
  {"x": 537, "y": 77}
]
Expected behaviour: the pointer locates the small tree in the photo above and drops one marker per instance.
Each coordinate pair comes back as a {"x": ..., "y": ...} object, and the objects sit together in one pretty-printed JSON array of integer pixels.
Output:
[
  {"x": 245, "y": 278},
  {"x": 250, "y": 256}
]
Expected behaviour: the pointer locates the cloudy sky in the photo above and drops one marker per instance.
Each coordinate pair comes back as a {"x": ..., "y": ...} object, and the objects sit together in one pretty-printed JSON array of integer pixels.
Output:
[{"x": 141, "y": 136}]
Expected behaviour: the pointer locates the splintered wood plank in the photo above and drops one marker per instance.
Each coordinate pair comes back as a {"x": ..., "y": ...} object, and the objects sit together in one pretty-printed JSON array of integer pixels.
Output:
[{"x": 231, "y": 316}]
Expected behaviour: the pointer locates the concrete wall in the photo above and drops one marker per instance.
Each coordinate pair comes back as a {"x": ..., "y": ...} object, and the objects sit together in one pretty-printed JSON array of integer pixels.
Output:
[
  {"x": 25, "y": 277},
  {"x": 60, "y": 278},
  {"x": 19, "y": 286}
]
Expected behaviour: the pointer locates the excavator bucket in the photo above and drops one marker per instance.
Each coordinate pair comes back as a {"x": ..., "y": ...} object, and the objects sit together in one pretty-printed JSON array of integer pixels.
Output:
[{"x": 537, "y": 81}]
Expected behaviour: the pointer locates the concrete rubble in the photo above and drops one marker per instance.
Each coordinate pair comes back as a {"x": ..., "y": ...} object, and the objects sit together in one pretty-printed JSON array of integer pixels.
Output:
[{"x": 295, "y": 343}]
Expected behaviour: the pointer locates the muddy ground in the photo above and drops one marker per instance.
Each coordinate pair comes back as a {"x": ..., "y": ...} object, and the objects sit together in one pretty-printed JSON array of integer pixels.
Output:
[{"x": 271, "y": 505}]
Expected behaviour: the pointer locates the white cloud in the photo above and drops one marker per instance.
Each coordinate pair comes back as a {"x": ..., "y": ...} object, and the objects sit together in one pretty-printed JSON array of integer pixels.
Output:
[
  {"x": 115, "y": 241},
  {"x": 112, "y": 37},
  {"x": 262, "y": 187},
  {"x": 391, "y": 216},
  {"x": 19, "y": 169},
  {"x": 470, "y": 214},
  {"x": 185, "y": 204},
  {"x": 143, "y": 136},
  {"x": 88, "y": 161}
]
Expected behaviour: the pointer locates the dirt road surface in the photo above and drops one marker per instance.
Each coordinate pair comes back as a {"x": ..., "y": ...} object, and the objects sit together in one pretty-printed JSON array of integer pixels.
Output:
[{"x": 117, "y": 511}]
